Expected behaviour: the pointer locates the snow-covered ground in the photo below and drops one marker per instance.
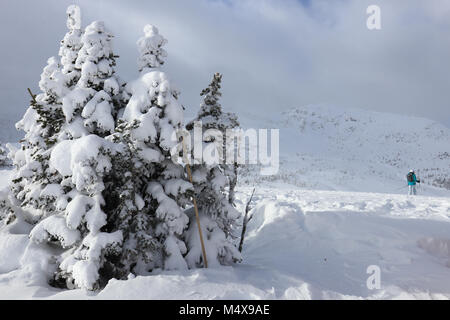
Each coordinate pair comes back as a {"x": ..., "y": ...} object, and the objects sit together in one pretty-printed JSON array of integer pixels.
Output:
[
  {"x": 336, "y": 207},
  {"x": 301, "y": 244}
]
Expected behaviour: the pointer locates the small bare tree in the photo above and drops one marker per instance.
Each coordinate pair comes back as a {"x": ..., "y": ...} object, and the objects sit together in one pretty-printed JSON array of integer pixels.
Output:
[{"x": 246, "y": 220}]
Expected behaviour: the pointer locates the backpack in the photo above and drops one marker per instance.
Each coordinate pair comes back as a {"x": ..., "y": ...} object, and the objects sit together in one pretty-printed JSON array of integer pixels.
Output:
[{"x": 410, "y": 177}]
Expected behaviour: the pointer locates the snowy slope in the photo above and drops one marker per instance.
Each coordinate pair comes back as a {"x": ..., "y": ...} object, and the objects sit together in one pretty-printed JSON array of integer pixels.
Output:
[
  {"x": 301, "y": 245},
  {"x": 335, "y": 148}
]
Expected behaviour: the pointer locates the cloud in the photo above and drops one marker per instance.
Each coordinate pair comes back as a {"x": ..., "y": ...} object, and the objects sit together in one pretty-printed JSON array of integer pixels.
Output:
[{"x": 274, "y": 54}]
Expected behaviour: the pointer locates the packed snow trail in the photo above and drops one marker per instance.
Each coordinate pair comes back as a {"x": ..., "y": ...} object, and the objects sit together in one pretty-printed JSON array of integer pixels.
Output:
[{"x": 301, "y": 244}]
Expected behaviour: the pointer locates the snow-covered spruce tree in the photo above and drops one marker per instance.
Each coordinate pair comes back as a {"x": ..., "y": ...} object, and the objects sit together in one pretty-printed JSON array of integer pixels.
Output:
[
  {"x": 35, "y": 184},
  {"x": 213, "y": 183},
  {"x": 213, "y": 117},
  {"x": 93, "y": 104},
  {"x": 154, "y": 189},
  {"x": 83, "y": 157},
  {"x": 71, "y": 45},
  {"x": 88, "y": 62},
  {"x": 80, "y": 228}
]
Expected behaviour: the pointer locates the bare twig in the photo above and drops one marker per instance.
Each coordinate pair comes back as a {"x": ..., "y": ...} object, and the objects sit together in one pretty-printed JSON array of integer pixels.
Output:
[
  {"x": 32, "y": 95},
  {"x": 246, "y": 220}
]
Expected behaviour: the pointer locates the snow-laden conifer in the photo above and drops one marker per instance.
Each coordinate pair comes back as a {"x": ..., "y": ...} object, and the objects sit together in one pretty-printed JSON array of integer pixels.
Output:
[
  {"x": 154, "y": 189},
  {"x": 81, "y": 225},
  {"x": 83, "y": 158},
  {"x": 35, "y": 182},
  {"x": 41, "y": 123},
  {"x": 71, "y": 45},
  {"x": 213, "y": 184},
  {"x": 91, "y": 107}
]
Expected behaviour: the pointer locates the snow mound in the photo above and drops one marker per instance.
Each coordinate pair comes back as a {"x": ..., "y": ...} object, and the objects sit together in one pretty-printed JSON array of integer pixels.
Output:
[{"x": 11, "y": 250}]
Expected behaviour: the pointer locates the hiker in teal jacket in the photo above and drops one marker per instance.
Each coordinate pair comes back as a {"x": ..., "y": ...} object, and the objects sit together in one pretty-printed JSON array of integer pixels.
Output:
[{"x": 412, "y": 180}]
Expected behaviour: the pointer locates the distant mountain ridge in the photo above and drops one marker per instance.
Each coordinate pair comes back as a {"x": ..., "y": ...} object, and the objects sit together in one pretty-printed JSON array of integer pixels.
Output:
[{"x": 331, "y": 147}]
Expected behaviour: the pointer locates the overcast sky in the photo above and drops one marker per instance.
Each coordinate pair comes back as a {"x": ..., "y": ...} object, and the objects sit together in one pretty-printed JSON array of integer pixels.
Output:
[{"x": 274, "y": 55}]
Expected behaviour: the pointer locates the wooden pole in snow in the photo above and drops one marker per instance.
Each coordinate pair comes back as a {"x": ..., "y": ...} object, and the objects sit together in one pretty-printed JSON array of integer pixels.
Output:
[{"x": 197, "y": 217}]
